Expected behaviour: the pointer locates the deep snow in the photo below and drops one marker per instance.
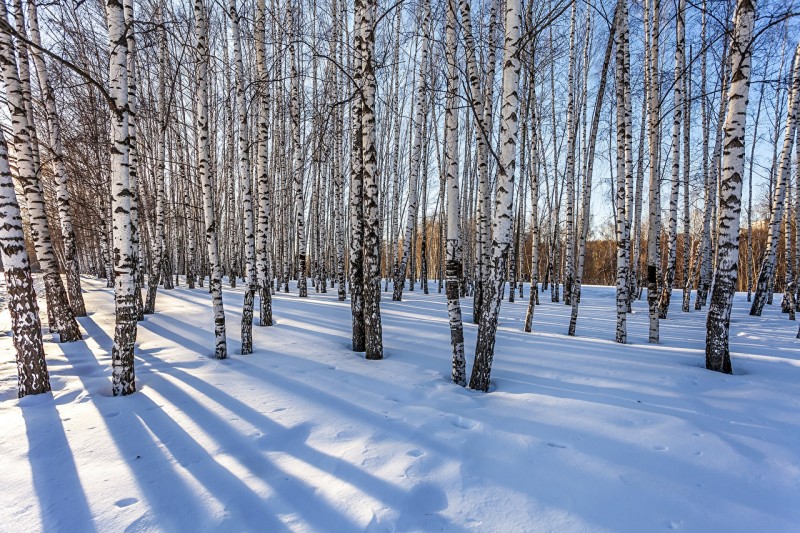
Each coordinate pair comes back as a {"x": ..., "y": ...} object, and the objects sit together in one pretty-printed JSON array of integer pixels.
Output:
[{"x": 578, "y": 434}]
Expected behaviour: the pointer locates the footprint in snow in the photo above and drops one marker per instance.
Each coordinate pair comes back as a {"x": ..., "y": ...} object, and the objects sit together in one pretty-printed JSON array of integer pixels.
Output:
[
  {"x": 556, "y": 445},
  {"x": 464, "y": 423},
  {"x": 660, "y": 448},
  {"x": 414, "y": 453},
  {"x": 345, "y": 434},
  {"x": 125, "y": 502}
]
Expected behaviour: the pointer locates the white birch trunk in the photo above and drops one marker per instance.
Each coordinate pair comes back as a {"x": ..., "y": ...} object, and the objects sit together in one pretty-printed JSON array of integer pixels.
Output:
[
  {"x": 534, "y": 172},
  {"x": 719, "y": 312},
  {"x": 767, "y": 271},
  {"x": 416, "y": 153},
  {"x": 122, "y": 361},
  {"x": 246, "y": 184},
  {"x": 501, "y": 226},
  {"x": 677, "y": 116},
  {"x": 569, "y": 172},
  {"x": 204, "y": 173},
  {"x": 587, "y": 183},
  {"x": 373, "y": 329},
  {"x": 264, "y": 242},
  {"x": 453, "y": 258},
  {"x": 25, "y": 323},
  {"x": 623, "y": 172},
  {"x": 58, "y": 168},
  {"x": 357, "y": 187},
  {"x": 59, "y": 310},
  {"x": 687, "y": 127},
  {"x": 654, "y": 200},
  {"x": 158, "y": 269},
  {"x": 297, "y": 155}
]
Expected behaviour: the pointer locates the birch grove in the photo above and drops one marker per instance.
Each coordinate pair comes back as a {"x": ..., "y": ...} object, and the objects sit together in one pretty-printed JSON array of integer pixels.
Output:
[{"x": 370, "y": 148}]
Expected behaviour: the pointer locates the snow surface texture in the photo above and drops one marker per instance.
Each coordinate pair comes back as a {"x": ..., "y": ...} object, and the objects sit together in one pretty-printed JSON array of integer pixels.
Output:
[{"x": 578, "y": 434}]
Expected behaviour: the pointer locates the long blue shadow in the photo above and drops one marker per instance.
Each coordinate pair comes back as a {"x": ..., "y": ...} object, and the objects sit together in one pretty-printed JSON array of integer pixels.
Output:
[
  {"x": 132, "y": 427},
  {"x": 62, "y": 500}
]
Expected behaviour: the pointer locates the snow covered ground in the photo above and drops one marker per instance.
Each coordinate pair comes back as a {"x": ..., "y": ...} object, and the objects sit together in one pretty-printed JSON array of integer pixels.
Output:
[{"x": 578, "y": 434}]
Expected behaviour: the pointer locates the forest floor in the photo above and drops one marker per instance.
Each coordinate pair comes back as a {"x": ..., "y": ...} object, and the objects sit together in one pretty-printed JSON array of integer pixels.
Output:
[{"x": 577, "y": 434}]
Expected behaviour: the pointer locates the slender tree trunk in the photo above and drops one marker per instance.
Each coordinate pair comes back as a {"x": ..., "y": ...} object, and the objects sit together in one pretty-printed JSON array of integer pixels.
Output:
[
  {"x": 712, "y": 175},
  {"x": 534, "y": 172},
  {"x": 750, "y": 259},
  {"x": 338, "y": 167},
  {"x": 767, "y": 271},
  {"x": 623, "y": 171},
  {"x": 454, "y": 264},
  {"x": 677, "y": 114},
  {"x": 373, "y": 330},
  {"x": 263, "y": 242},
  {"x": 416, "y": 155},
  {"x": 634, "y": 280},
  {"x": 484, "y": 241},
  {"x": 719, "y": 312},
  {"x": 204, "y": 173},
  {"x": 138, "y": 246},
  {"x": 654, "y": 221},
  {"x": 687, "y": 220},
  {"x": 787, "y": 303},
  {"x": 797, "y": 224},
  {"x": 58, "y": 305},
  {"x": 246, "y": 183},
  {"x": 501, "y": 227},
  {"x": 157, "y": 268},
  {"x": 59, "y": 169},
  {"x": 587, "y": 181},
  {"x": 123, "y": 378},
  {"x": 297, "y": 155},
  {"x": 357, "y": 187},
  {"x": 25, "y": 324},
  {"x": 569, "y": 173}
]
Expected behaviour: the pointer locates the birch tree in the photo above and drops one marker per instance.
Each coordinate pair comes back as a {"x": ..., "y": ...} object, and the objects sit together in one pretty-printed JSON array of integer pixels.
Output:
[
  {"x": 654, "y": 115},
  {"x": 158, "y": 267},
  {"x": 357, "y": 185},
  {"x": 677, "y": 116},
  {"x": 297, "y": 153},
  {"x": 534, "y": 173},
  {"x": 687, "y": 248},
  {"x": 246, "y": 181},
  {"x": 58, "y": 167},
  {"x": 416, "y": 151},
  {"x": 454, "y": 263},
  {"x": 123, "y": 376},
  {"x": 25, "y": 323},
  {"x": 264, "y": 240},
  {"x": 501, "y": 225},
  {"x": 767, "y": 270},
  {"x": 373, "y": 329},
  {"x": 204, "y": 173},
  {"x": 569, "y": 173},
  {"x": 589, "y": 171},
  {"x": 623, "y": 169},
  {"x": 63, "y": 320},
  {"x": 719, "y": 312}
]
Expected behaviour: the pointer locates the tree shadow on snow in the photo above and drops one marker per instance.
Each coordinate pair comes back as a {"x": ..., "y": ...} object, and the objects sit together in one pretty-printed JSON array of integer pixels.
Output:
[
  {"x": 294, "y": 493},
  {"x": 157, "y": 462},
  {"x": 62, "y": 500}
]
